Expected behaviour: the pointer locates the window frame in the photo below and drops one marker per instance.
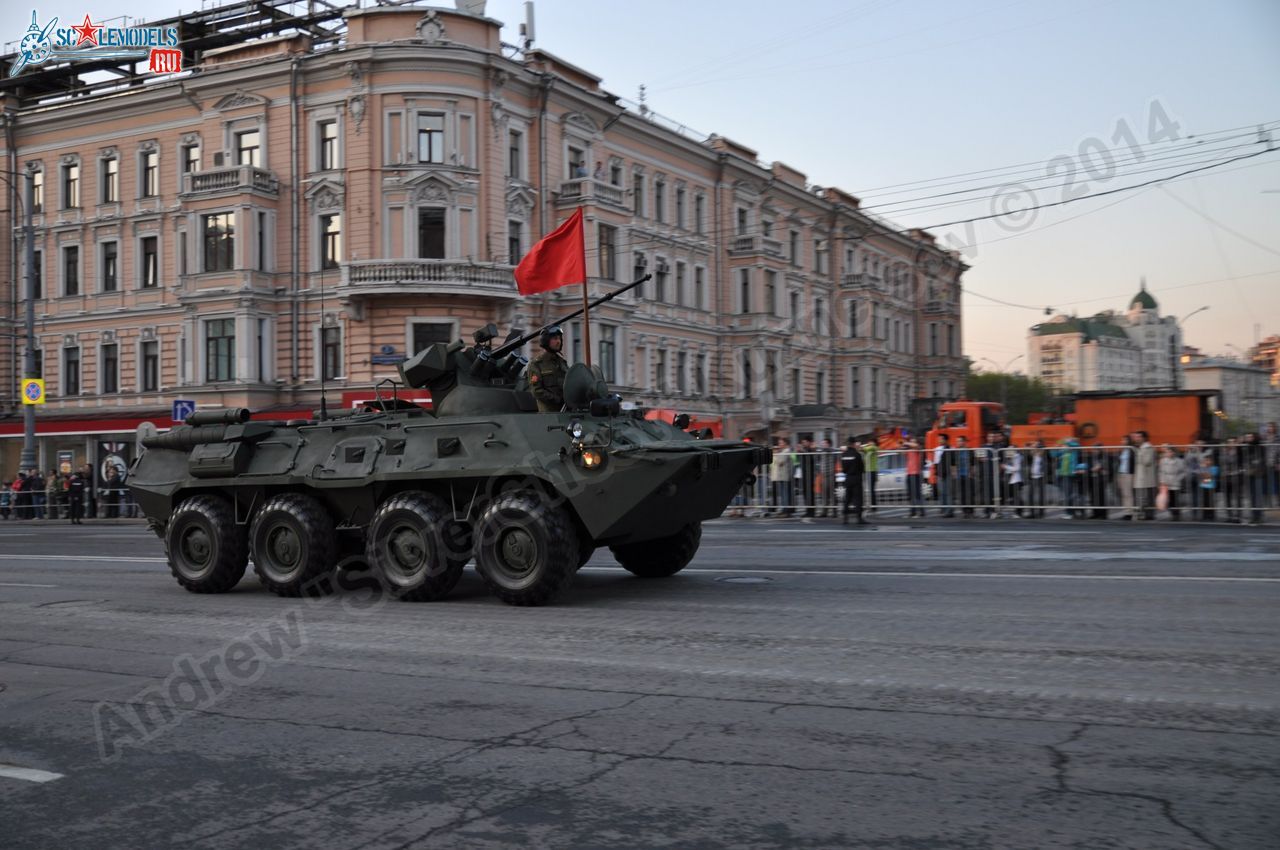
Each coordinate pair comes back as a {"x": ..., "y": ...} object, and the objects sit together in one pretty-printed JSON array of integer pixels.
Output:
[
  {"x": 329, "y": 241},
  {"x": 148, "y": 263},
  {"x": 145, "y": 365},
  {"x": 69, "y": 381},
  {"x": 69, "y": 182},
  {"x": 63, "y": 253},
  {"x": 225, "y": 355},
  {"x": 149, "y": 172},
  {"x": 110, "y": 283},
  {"x": 430, "y": 132},
  {"x": 108, "y": 381},
  {"x": 109, "y": 180},
  {"x": 328, "y": 149},
  {"x": 211, "y": 261}
]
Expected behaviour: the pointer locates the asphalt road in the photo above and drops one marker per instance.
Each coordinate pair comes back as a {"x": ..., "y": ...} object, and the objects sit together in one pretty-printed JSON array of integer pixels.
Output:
[{"x": 962, "y": 685}]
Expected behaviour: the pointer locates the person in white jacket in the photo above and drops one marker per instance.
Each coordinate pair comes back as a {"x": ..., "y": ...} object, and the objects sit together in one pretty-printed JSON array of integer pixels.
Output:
[{"x": 1173, "y": 470}]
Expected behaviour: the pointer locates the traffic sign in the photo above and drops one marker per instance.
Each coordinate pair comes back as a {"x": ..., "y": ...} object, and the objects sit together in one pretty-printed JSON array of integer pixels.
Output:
[
  {"x": 182, "y": 408},
  {"x": 32, "y": 391}
]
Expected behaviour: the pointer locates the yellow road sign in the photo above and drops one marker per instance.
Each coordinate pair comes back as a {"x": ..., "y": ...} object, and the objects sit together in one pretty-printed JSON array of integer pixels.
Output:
[{"x": 32, "y": 391}]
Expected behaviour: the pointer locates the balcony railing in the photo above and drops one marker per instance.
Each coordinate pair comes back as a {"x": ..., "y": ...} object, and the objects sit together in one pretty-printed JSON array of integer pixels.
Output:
[
  {"x": 454, "y": 277},
  {"x": 939, "y": 307},
  {"x": 585, "y": 190},
  {"x": 756, "y": 245},
  {"x": 860, "y": 280},
  {"x": 238, "y": 178}
]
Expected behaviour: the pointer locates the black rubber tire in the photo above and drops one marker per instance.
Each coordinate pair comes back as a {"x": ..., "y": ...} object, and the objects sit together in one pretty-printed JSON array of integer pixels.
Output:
[
  {"x": 294, "y": 546},
  {"x": 662, "y": 557},
  {"x": 586, "y": 548},
  {"x": 207, "y": 551},
  {"x": 526, "y": 548},
  {"x": 406, "y": 549}
]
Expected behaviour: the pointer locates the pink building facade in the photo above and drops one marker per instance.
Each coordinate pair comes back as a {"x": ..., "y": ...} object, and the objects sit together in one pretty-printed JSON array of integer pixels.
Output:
[{"x": 291, "y": 211}]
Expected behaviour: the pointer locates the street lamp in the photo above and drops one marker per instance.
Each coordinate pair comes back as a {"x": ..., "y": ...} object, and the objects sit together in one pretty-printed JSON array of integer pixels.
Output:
[
  {"x": 1004, "y": 377},
  {"x": 27, "y": 460},
  {"x": 1173, "y": 345}
]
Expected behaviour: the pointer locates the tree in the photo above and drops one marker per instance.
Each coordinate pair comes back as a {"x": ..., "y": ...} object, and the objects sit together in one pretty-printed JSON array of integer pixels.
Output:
[{"x": 1019, "y": 394}]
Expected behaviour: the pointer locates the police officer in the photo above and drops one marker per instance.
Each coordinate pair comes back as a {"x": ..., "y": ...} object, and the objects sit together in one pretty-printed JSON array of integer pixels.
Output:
[
  {"x": 547, "y": 371},
  {"x": 854, "y": 468}
]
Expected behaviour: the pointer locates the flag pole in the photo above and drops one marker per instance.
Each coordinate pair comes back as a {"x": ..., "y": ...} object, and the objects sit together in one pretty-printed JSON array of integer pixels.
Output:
[{"x": 586, "y": 302}]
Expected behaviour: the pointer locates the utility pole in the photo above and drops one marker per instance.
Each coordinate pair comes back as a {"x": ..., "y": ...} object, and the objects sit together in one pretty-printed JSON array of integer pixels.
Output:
[{"x": 27, "y": 460}]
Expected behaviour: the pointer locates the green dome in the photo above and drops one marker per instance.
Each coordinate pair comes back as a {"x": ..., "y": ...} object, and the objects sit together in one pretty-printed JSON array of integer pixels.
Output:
[{"x": 1143, "y": 299}]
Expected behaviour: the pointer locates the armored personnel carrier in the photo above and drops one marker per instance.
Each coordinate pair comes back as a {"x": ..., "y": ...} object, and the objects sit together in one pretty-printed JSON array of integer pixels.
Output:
[{"x": 416, "y": 494}]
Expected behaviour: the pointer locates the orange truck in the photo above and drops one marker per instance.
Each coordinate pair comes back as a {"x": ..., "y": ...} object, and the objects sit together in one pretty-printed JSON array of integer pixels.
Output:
[{"x": 1168, "y": 416}]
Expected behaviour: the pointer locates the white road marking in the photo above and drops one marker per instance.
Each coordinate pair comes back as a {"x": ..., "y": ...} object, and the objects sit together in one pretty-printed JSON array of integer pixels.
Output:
[
  {"x": 27, "y": 773},
  {"x": 18, "y": 584},
  {"x": 109, "y": 558},
  {"x": 915, "y": 574}
]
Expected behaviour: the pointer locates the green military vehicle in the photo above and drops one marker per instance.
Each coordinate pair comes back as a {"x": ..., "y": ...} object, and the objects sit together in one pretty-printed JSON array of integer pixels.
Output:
[{"x": 413, "y": 495}]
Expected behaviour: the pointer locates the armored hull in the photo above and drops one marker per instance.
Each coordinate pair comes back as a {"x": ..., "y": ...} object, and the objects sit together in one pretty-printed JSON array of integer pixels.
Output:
[{"x": 417, "y": 494}]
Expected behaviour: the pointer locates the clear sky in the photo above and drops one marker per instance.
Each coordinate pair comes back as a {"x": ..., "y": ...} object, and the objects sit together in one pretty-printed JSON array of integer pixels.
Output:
[{"x": 875, "y": 95}]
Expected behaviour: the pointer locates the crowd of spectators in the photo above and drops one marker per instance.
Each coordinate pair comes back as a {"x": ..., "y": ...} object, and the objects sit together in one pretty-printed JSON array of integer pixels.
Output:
[
  {"x": 54, "y": 495},
  {"x": 1234, "y": 480}
]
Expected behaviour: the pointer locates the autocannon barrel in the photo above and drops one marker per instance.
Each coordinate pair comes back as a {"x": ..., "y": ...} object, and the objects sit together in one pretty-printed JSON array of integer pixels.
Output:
[
  {"x": 183, "y": 439},
  {"x": 227, "y": 416}
]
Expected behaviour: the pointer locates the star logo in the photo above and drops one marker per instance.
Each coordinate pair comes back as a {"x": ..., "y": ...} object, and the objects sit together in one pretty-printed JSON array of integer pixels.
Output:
[{"x": 88, "y": 31}]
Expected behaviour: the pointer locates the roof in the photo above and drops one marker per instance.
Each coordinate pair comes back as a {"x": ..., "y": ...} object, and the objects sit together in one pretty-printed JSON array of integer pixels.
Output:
[
  {"x": 1143, "y": 299},
  {"x": 1091, "y": 328}
]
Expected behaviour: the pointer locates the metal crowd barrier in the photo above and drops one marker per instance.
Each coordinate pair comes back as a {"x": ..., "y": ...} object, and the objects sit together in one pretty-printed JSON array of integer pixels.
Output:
[
  {"x": 103, "y": 503},
  {"x": 1079, "y": 482}
]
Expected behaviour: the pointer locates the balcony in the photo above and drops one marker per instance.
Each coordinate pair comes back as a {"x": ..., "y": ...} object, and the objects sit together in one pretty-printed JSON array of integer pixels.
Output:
[
  {"x": 939, "y": 307},
  {"x": 860, "y": 280},
  {"x": 431, "y": 277},
  {"x": 240, "y": 178},
  {"x": 585, "y": 190},
  {"x": 742, "y": 246}
]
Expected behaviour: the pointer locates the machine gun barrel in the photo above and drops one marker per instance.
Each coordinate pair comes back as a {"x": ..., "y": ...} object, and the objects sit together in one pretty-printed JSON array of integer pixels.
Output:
[{"x": 508, "y": 347}]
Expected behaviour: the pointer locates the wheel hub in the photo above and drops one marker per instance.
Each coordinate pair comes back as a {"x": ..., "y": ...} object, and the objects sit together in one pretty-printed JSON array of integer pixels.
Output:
[
  {"x": 285, "y": 547},
  {"x": 197, "y": 548},
  {"x": 519, "y": 550},
  {"x": 408, "y": 550}
]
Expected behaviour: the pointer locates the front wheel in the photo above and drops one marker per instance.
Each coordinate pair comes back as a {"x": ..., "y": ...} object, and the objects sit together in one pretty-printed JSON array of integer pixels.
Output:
[
  {"x": 662, "y": 557},
  {"x": 206, "y": 549},
  {"x": 407, "y": 551},
  {"x": 526, "y": 548},
  {"x": 294, "y": 546}
]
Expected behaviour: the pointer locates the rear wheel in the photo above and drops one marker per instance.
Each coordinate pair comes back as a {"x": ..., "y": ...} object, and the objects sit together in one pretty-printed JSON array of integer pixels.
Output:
[
  {"x": 207, "y": 550},
  {"x": 662, "y": 557},
  {"x": 407, "y": 549},
  {"x": 294, "y": 546},
  {"x": 526, "y": 548}
]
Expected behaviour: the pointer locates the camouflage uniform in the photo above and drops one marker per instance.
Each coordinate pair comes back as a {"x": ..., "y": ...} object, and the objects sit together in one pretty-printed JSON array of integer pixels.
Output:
[{"x": 546, "y": 380}]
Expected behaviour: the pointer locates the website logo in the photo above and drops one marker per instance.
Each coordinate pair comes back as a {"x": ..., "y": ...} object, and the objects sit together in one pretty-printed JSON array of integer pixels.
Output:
[{"x": 87, "y": 40}]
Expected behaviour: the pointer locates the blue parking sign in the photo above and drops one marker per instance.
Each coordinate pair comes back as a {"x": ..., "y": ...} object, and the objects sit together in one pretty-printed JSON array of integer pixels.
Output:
[{"x": 182, "y": 408}]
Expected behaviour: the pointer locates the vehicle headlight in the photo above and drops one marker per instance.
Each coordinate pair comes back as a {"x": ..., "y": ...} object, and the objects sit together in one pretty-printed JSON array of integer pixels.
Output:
[
  {"x": 576, "y": 430},
  {"x": 591, "y": 458}
]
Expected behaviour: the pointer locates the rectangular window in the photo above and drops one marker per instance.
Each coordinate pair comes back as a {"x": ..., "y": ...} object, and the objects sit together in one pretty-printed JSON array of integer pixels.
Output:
[
  {"x": 637, "y": 192},
  {"x": 110, "y": 181},
  {"x": 662, "y": 371},
  {"x": 680, "y": 195},
  {"x": 681, "y": 295},
  {"x": 855, "y": 387},
  {"x": 262, "y": 338},
  {"x": 608, "y": 241},
  {"x": 331, "y": 353},
  {"x": 700, "y": 374},
  {"x": 744, "y": 290},
  {"x": 263, "y": 236},
  {"x": 615, "y": 175},
  {"x": 575, "y": 342},
  {"x": 951, "y": 340},
  {"x": 795, "y": 248},
  {"x": 71, "y": 270},
  {"x": 37, "y": 288},
  {"x": 875, "y": 393},
  {"x": 71, "y": 370},
  {"x": 577, "y": 162},
  {"x": 431, "y": 234},
  {"x": 514, "y": 242},
  {"x": 933, "y": 339},
  {"x": 249, "y": 148},
  {"x": 37, "y": 364},
  {"x": 149, "y": 265},
  {"x": 819, "y": 316},
  {"x": 220, "y": 350},
  {"x": 37, "y": 191},
  {"x": 771, "y": 292},
  {"x": 330, "y": 240},
  {"x": 660, "y": 201},
  {"x": 796, "y": 310},
  {"x": 109, "y": 377},
  {"x": 609, "y": 352},
  {"x": 515, "y": 154},
  {"x": 819, "y": 387},
  {"x": 748, "y": 378},
  {"x": 742, "y": 221},
  {"x": 110, "y": 266},
  {"x": 327, "y": 145},
  {"x": 660, "y": 282},
  {"x": 682, "y": 368},
  {"x": 219, "y": 234},
  {"x": 150, "y": 174},
  {"x": 430, "y": 137},
  {"x": 820, "y": 256},
  {"x": 150, "y": 368},
  {"x": 771, "y": 373},
  {"x": 795, "y": 386},
  {"x": 427, "y": 334},
  {"x": 71, "y": 186},
  {"x": 700, "y": 288},
  {"x": 699, "y": 214},
  {"x": 853, "y": 318},
  {"x": 191, "y": 158}
]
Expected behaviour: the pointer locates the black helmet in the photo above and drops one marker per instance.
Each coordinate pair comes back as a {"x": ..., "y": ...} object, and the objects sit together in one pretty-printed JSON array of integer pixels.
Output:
[{"x": 544, "y": 339}]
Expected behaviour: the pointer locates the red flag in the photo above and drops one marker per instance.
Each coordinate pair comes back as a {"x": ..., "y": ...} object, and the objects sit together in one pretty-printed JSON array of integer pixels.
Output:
[{"x": 557, "y": 260}]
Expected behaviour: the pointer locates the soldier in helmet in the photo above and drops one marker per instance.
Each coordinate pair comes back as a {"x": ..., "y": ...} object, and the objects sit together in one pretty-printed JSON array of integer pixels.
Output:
[{"x": 547, "y": 370}]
